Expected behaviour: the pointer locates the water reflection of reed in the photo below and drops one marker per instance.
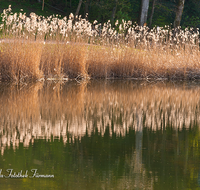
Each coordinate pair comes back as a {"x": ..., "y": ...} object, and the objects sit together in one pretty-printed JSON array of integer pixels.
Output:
[{"x": 72, "y": 110}]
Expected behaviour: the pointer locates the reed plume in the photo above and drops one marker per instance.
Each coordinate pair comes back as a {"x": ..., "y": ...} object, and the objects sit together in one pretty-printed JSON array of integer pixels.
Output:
[{"x": 34, "y": 47}]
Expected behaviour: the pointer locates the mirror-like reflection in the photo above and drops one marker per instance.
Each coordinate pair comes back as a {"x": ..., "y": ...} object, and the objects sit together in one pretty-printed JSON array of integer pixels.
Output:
[{"x": 101, "y": 135}]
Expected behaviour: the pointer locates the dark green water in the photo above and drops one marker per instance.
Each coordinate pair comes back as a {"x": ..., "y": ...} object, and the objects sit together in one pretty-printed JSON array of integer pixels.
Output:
[{"x": 100, "y": 135}]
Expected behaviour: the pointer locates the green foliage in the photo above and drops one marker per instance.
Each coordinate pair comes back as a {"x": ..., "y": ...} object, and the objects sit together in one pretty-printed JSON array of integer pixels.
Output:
[
  {"x": 191, "y": 22},
  {"x": 124, "y": 10},
  {"x": 163, "y": 13},
  {"x": 102, "y": 10},
  {"x": 191, "y": 14},
  {"x": 27, "y": 7}
]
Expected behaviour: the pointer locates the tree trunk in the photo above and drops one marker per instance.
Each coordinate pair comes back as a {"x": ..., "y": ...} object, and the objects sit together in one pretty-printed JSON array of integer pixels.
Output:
[
  {"x": 152, "y": 12},
  {"x": 78, "y": 8},
  {"x": 43, "y": 5},
  {"x": 144, "y": 12},
  {"x": 114, "y": 12},
  {"x": 179, "y": 12},
  {"x": 87, "y": 7}
]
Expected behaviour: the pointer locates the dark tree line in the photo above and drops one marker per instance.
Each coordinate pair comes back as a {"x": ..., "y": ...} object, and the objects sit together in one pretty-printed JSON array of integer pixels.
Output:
[
  {"x": 179, "y": 6},
  {"x": 144, "y": 12}
]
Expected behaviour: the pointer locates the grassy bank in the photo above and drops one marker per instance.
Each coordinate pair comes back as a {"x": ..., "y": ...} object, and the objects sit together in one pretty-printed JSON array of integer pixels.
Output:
[{"x": 51, "y": 48}]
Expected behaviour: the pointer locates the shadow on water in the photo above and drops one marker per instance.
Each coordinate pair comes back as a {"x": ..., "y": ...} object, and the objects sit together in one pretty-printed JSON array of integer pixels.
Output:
[{"x": 101, "y": 135}]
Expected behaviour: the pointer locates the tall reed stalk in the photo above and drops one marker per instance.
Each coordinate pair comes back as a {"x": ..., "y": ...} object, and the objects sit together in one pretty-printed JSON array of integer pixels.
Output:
[{"x": 35, "y": 47}]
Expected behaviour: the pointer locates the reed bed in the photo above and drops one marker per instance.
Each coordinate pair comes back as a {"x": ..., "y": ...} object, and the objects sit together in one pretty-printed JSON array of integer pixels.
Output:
[{"x": 53, "y": 48}]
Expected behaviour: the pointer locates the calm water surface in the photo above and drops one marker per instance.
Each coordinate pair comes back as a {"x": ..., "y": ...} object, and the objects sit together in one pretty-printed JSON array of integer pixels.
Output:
[{"x": 100, "y": 135}]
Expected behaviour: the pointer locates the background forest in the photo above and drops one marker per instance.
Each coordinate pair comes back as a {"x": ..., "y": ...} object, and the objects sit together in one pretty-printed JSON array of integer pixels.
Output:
[{"x": 155, "y": 12}]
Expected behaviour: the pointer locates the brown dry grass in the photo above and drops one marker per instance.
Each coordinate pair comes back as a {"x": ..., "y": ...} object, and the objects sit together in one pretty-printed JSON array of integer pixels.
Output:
[
  {"x": 28, "y": 60},
  {"x": 81, "y": 50},
  {"x": 20, "y": 61}
]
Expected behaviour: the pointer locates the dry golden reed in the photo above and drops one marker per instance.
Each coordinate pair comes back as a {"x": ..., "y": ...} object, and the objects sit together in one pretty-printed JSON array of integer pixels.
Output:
[
  {"x": 39, "y": 48},
  {"x": 20, "y": 61}
]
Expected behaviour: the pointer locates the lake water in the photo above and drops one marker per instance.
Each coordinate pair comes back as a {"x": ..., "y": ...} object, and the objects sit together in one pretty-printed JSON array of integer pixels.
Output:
[{"x": 100, "y": 135}]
